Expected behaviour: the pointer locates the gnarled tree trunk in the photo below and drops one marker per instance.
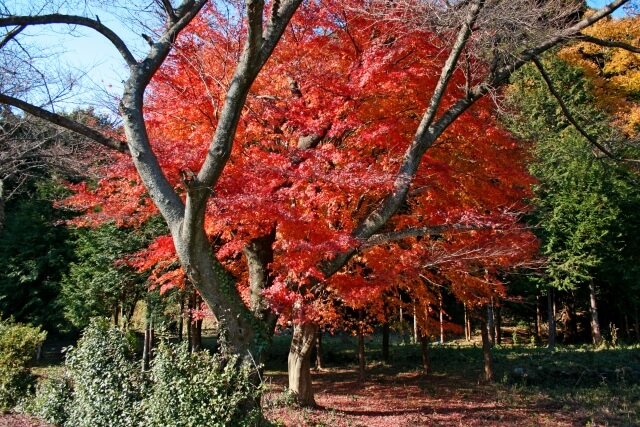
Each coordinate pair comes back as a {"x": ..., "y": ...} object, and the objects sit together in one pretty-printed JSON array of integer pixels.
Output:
[{"x": 299, "y": 363}]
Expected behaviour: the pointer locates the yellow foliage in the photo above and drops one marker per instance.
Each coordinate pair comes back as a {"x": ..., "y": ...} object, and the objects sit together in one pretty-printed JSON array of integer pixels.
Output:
[{"x": 614, "y": 72}]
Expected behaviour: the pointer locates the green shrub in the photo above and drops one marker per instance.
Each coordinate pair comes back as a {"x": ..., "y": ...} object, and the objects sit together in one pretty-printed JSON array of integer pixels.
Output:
[
  {"x": 103, "y": 386},
  {"x": 107, "y": 384},
  {"x": 18, "y": 346},
  {"x": 199, "y": 389},
  {"x": 52, "y": 401}
]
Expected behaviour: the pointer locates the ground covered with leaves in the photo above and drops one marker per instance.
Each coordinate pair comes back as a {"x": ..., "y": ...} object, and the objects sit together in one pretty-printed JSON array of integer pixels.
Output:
[{"x": 533, "y": 387}]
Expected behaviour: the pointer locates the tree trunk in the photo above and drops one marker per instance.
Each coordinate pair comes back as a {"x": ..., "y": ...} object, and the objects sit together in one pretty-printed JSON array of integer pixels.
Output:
[
  {"x": 467, "y": 323},
  {"x": 259, "y": 254},
  {"x": 491, "y": 324},
  {"x": 538, "y": 319},
  {"x": 441, "y": 321},
  {"x": 319, "y": 360},
  {"x": 627, "y": 328},
  {"x": 595, "y": 322},
  {"x": 362, "y": 364},
  {"x": 198, "y": 334},
  {"x": 116, "y": 314},
  {"x": 189, "y": 323},
  {"x": 551, "y": 302},
  {"x": 486, "y": 349},
  {"x": 146, "y": 347},
  {"x": 299, "y": 363},
  {"x": 415, "y": 325},
  {"x": 385, "y": 342},
  {"x": 181, "y": 318},
  {"x": 424, "y": 347},
  {"x": 498, "y": 324},
  {"x": 1, "y": 204},
  {"x": 637, "y": 325},
  {"x": 570, "y": 321}
]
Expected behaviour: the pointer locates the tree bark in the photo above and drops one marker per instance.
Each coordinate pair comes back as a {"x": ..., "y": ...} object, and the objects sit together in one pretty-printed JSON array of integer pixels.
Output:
[
  {"x": 414, "y": 338},
  {"x": 498, "y": 324},
  {"x": 491, "y": 324},
  {"x": 299, "y": 363},
  {"x": 637, "y": 325},
  {"x": 467, "y": 323},
  {"x": 146, "y": 347},
  {"x": 424, "y": 347},
  {"x": 181, "y": 318},
  {"x": 595, "y": 322},
  {"x": 259, "y": 254},
  {"x": 362, "y": 364},
  {"x": 441, "y": 320},
  {"x": 385, "y": 342},
  {"x": 319, "y": 359},
  {"x": 538, "y": 318},
  {"x": 1, "y": 204},
  {"x": 486, "y": 350},
  {"x": 551, "y": 303}
]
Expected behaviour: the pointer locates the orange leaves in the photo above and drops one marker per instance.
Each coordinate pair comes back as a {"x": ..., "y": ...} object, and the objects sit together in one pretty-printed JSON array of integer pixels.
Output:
[
  {"x": 317, "y": 148},
  {"x": 614, "y": 72}
]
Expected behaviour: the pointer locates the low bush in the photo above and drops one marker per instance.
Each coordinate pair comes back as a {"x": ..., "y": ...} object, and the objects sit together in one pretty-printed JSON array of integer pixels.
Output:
[
  {"x": 104, "y": 386},
  {"x": 199, "y": 389},
  {"x": 18, "y": 347}
]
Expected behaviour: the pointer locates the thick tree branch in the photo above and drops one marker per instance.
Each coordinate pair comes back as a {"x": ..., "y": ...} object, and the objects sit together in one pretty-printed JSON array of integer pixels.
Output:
[
  {"x": 73, "y": 20},
  {"x": 565, "y": 111},
  {"x": 379, "y": 239},
  {"x": 66, "y": 123},
  {"x": 253, "y": 58},
  {"x": 608, "y": 43}
]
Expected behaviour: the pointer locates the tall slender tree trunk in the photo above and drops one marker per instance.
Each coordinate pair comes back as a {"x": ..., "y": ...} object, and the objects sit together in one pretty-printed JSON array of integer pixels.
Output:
[
  {"x": 491, "y": 324},
  {"x": 385, "y": 342},
  {"x": 145, "y": 346},
  {"x": 637, "y": 325},
  {"x": 486, "y": 349},
  {"x": 198, "y": 335},
  {"x": 441, "y": 320},
  {"x": 424, "y": 347},
  {"x": 551, "y": 303},
  {"x": 116, "y": 314},
  {"x": 497, "y": 310},
  {"x": 415, "y": 325},
  {"x": 538, "y": 318},
  {"x": 181, "y": 319},
  {"x": 362, "y": 363},
  {"x": 595, "y": 322},
  {"x": 299, "y": 363},
  {"x": 1, "y": 204},
  {"x": 319, "y": 359},
  {"x": 627, "y": 328},
  {"x": 467, "y": 323}
]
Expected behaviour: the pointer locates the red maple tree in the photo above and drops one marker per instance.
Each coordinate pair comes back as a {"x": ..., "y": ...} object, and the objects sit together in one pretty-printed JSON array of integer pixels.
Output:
[{"x": 319, "y": 144}]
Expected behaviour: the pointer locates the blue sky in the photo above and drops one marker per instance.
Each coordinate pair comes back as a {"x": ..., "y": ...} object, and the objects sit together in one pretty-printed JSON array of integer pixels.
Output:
[{"x": 92, "y": 53}]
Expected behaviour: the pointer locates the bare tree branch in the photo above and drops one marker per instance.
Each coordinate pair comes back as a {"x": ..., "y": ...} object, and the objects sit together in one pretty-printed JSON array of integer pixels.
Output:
[
  {"x": 572, "y": 120},
  {"x": 11, "y": 35},
  {"x": 608, "y": 43},
  {"x": 66, "y": 123},
  {"x": 73, "y": 20}
]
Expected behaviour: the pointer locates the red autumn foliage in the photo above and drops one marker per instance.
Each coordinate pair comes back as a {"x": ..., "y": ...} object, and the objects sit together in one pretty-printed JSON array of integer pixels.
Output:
[{"x": 322, "y": 133}]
